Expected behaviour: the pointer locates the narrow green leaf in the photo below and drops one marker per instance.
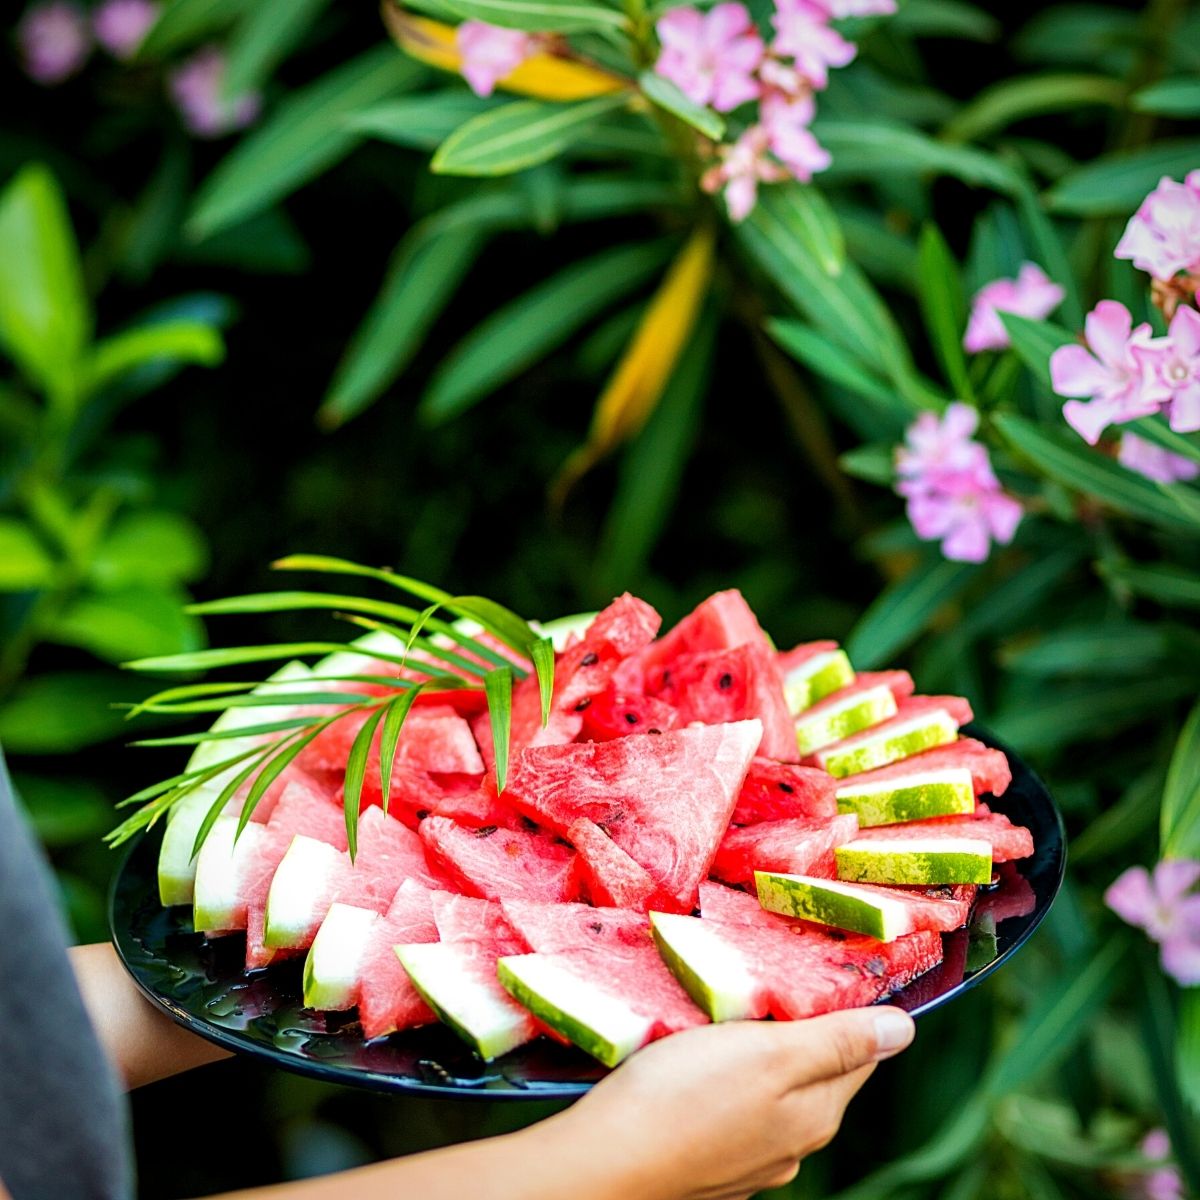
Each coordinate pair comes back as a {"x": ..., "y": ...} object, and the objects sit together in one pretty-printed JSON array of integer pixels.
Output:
[
  {"x": 223, "y": 797},
  {"x": 542, "y": 653},
  {"x": 395, "y": 714},
  {"x": 1115, "y": 184},
  {"x": 216, "y": 735},
  {"x": 356, "y": 769},
  {"x": 1018, "y": 99},
  {"x": 512, "y": 630},
  {"x": 1170, "y": 97},
  {"x": 945, "y": 19},
  {"x": 263, "y": 38},
  {"x": 939, "y": 290},
  {"x": 304, "y": 136},
  {"x": 874, "y": 463},
  {"x": 667, "y": 96},
  {"x": 831, "y": 361},
  {"x": 541, "y": 16},
  {"x": 1187, "y": 1048},
  {"x": 1179, "y": 816},
  {"x": 424, "y": 121},
  {"x": 25, "y": 564},
  {"x": 204, "y": 660},
  {"x": 526, "y": 329},
  {"x": 498, "y": 685},
  {"x": 184, "y": 22},
  {"x": 1035, "y": 341},
  {"x": 1121, "y": 826},
  {"x": 519, "y": 135},
  {"x": 1103, "y": 649},
  {"x": 1166, "y": 584},
  {"x": 810, "y": 216},
  {"x": 222, "y": 704}
]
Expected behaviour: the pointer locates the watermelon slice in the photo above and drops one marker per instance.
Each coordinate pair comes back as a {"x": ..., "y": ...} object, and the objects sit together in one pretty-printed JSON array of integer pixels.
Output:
[
  {"x": 614, "y": 714},
  {"x": 920, "y": 723},
  {"x": 721, "y": 622},
  {"x": 720, "y": 686},
  {"x": 548, "y": 928},
  {"x": 477, "y": 807},
  {"x": 910, "y": 796},
  {"x": 609, "y": 876},
  {"x": 793, "y": 845},
  {"x": 872, "y": 697},
  {"x": 462, "y": 919},
  {"x": 333, "y": 968},
  {"x": 915, "y": 860},
  {"x": 387, "y": 999},
  {"x": 989, "y": 769},
  {"x": 665, "y": 800},
  {"x": 776, "y": 791},
  {"x": 1008, "y": 841},
  {"x": 497, "y": 863},
  {"x": 813, "y": 671}
]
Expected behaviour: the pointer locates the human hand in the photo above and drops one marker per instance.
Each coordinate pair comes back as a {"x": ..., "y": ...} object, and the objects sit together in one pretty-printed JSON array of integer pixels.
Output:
[{"x": 721, "y": 1112}]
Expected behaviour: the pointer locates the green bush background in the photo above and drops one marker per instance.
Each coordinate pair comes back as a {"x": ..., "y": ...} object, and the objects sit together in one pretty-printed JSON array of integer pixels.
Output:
[{"x": 122, "y": 494}]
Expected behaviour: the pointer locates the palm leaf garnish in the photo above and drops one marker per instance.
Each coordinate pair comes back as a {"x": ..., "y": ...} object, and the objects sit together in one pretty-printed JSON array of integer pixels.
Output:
[{"x": 448, "y": 655}]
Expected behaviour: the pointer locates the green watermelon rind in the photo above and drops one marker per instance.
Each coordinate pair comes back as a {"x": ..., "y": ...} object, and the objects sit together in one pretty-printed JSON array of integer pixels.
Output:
[
  {"x": 572, "y": 1027},
  {"x": 815, "y": 731},
  {"x": 711, "y": 992},
  {"x": 821, "y": 676},
  {"x": 923, "y": 732},
  {"x": 915, "y": 861},
  {"x": 915, "y": 797},
  {"x": 827, "y": 902}
]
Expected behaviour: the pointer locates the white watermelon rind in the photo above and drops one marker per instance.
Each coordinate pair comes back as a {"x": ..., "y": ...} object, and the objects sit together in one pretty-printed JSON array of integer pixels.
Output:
[
  {"x": 334, "y": 962},
  {"x": 220, "y": 872},
  {"x": 707, "y": 966},
  {"x": 304, "y": 875},
  {"x": 820, "y": 676}
]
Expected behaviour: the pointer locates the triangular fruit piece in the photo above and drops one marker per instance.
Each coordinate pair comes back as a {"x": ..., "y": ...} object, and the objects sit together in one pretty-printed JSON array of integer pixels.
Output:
[
  {"x": 721, "y": 622},
  {"x": 665, "y": 800},
  {"x": 813, "y": 671},
  {"x": 719, "y": 686},
  {"x": 497, "y": 863},
  {"x": 915, "y": 860},
  {"x": 548, "y": 928},
  {"x": 614, "y": 714},
  {"x": 774, "y": 791},
  {"x": 988, "y": 768},
  {"x": 793, "y": 845},
  {"x": 414, "y": 793},
  {"x": 920, "y": 723},
  {"x": 468, "y": 919},
  {"x": 872, "y": 697},
  {"x": 387, "y": 999},
  {"x": 609, "y": 876},
  {"x": 1008, "y": 841},
  {"x": 478, "y": 807}
]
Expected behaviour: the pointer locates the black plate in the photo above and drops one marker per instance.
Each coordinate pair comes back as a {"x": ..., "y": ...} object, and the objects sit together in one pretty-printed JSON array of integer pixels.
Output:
[{"x": 203, "y": 986}]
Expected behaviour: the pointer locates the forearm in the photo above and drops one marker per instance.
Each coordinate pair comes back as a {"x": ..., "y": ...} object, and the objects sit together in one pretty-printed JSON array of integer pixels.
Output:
[{"x": 142, "y": 1043}]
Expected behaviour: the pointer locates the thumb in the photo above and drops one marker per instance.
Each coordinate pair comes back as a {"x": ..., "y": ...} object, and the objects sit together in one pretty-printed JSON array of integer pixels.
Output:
[{"x": 842, "y": 1042}]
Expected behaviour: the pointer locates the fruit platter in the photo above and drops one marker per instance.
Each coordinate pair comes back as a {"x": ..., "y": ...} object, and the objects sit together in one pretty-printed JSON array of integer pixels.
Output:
[{"x": 683, "y": 827}]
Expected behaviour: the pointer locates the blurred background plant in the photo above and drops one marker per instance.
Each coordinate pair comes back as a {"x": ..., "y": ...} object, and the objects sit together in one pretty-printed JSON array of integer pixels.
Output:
[{"x": 756, "y": 377}]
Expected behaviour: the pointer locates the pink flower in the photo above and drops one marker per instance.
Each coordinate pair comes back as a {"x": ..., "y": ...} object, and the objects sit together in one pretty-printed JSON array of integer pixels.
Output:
[
  {"x": 1137, "y": 454},
  {"x": 839, "y": 9},
  {"x": 743, "y": 166},
  {"x": 786, "y": 123},
  {"x": 1031, "y": 294},
  {"x": 196, "y": 89},
  {"x": 1174, "y": 366},
  {"x": 54, "y": 41},
  {"x": 1112, "y": 374},
  {"x": 803, "y": 32},
  {"x": 489, "y": 53},
  {"x": 1163, "y": 236},
  {"x": 121, "y": 25},
  {"x": 1162, "y": 1183},
  {"x": 953, "y": 494},
  {"x": 711, "y": 57},
  {"x": 1166, "y": 907}
]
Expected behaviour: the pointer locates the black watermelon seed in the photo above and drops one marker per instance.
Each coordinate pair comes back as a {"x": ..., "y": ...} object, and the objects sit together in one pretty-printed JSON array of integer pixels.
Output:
[
  {"x": 590, "y": 659},
  {"x": 787, "y": 787},
  {"x": 725, "y": 682},
  {"x": 631, "y": 718},
  {"x": 486, "y": 830},
  {"x": 583, "y": 704}
]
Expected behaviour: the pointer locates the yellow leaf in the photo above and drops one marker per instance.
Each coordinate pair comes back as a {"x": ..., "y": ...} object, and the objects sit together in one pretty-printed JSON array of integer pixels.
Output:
[
  {"x": 646, "y": 366},
  {"x": 544, "y": 76}
]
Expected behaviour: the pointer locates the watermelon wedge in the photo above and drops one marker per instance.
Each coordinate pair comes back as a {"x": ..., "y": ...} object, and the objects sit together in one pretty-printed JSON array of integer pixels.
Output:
[
  {"x": 333, "y": 968},
  {"x": 1008, "y": 841},
  {"x": 920, "y": 723},
  {"x": 497, "y": 863},
  {"x": 548, "y": 928},
  {"x": 774, "y": 791},
  {"x": 387, "y": 999},
  {"x": 989, "y": 769},
  {"x": 793, "y": 845},
  {"x": 721, "y": 622},
  {"x": 614, "y": 714},
  {"x": 871, "y": 698},
  {"x": 813, "y": 671},
  {"x": 609, "y": 876},
  {"x": 910, "y": 796},
  {"x": 915, "y": 860},
  {"x": 665, "y": 800}
]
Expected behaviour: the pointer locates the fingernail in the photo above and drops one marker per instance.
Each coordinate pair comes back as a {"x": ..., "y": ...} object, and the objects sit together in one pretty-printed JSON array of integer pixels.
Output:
[{"x": 893, "y": 1031}]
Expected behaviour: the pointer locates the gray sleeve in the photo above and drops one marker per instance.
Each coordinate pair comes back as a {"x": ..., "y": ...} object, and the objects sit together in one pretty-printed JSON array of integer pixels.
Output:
[{"x": 63, "y": 1120}]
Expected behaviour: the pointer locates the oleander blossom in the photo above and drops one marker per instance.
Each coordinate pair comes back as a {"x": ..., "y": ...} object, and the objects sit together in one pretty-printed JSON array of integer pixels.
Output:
[
  {"x": 196, "y": 88},
  {"x": 742, "y": 167},
  {"x": 1144, "y": 457},
  {"x": 1032, "y": 294},
  {"x": 1162, "y": 1181},
  {"x": 803, "y": 33},
  {"x": 1173, "y": 366},
  {"x": 839, "y": 9},
  {"x": 54, "y": 41},
  {"x": 490, "y": 53},
  {"x": 1166, "y": 906},
  {"x": 952, "y": 493},
  {"x": 1118, "y": 382},
  {"x": 1163, "y": 236},
  {"x": 786, "y": 121},
  {"x": 711, "y": 57},
  {"x": 121, "y": 26}
]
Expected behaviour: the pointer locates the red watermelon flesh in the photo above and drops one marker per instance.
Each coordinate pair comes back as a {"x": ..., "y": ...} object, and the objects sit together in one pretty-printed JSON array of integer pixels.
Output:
[
  {"x": 665, "y": 799},
  {"x": 614, "y": 714},
  {"x": 797, "y": 656},
  {"x": 387, "y": 999},
  {"x": 774, "y": 791},
  {"x": 497, "y": 863},
  {"x": 609, "y": 876},
  {"x": 721, "y": 622},
  {"x": 730, "y": 904},
  {"x": 720, "y": 686},
  {"x": 1009, "y": 841},
  {"x": 479, "y": 807},
  {"x": 462, "y": 919},
  {"x": 958, "y": 708},
  {"x": 271, "y": 797},
  {"x": 793, "y": 845},
  {"x": 548, "y": 928},
  {"x": 989, "y": 768}
]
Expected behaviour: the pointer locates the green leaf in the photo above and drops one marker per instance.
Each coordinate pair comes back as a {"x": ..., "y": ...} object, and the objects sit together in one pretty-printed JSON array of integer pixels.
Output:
[
  {"x": 1170, "y": 98},
  {"x": 526, "y": 329},
  {"x": 24, "y": 563},
  {"x": 1166, "y": 584},
  {"x": 1187, "y": 1048},
  {"x": 811, "y": 218},
  {"x": 1104, "y": 649},
  {"x": 45, "y": 320},
  {"x": 542, "y": 653},
  {"x": 148, "y": 547},
  {"x": 833, "y": 362},
  {"x": 1115, "y": 184},
  {"x": 945, "y": 19},
  {"x": 519, "y": 135},
  {"x": 498, "y": 686},
  {"x": 939, "y": 289},
  {"x": 1067, "y": 460},
  {"x": 304, "y": 136},
  {"x": 395, "y": 712},
  {"x": 64, "y": 811},
  {"x": 130, "y": 623},
  {"x": 421, "y": 122},
  {"x": 184, "y": 22},
  {"x": 356, "y": 769},
  {"x": 1035, "y": 341},
  {"x": 263, "y": 38},
  {"x": 1179, "y": 816},
  {"x": 230, "y": 656},
  {"x": 166, "y": 342},
  {"x": 210, "y": 735},
  {"x": 541, "y": 16},
  {"x": 227, "y": 792},
  {"x": 873, "y": 463},
  {"x": 1121, "y": 825},
  {"x": 58, "y": 713},
  {"x": 1018, "y": 99},
  {"x": 905, "y": 609},
  {"x": 667, "y": 96}
]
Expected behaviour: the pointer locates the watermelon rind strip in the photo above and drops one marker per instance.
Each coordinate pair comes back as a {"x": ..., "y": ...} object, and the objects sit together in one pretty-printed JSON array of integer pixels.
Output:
[
  {"x": 710, "y": 984},
  {"x": 912, "y": 797},
  {"x": 867, "y": 751},
  {"x": 830, "y": 904},
  {"x": 964, "y": 860},
  {"x": 856, "y": 712},
  {"x": 821, "y": 676}
]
